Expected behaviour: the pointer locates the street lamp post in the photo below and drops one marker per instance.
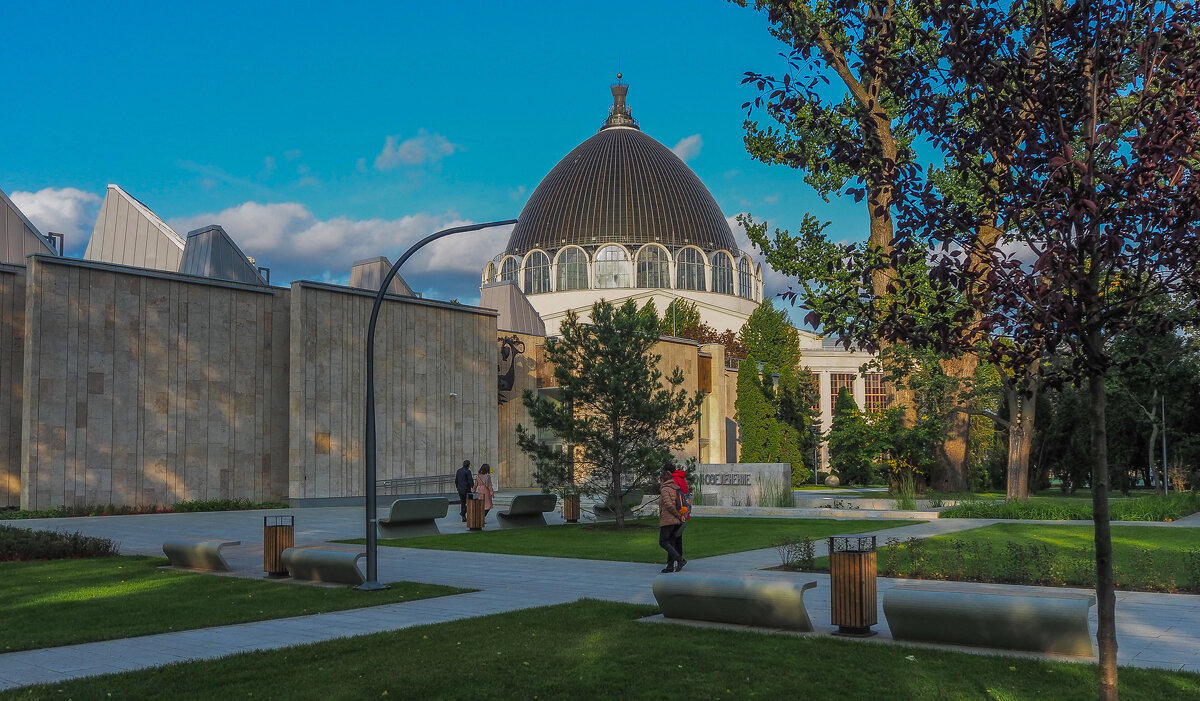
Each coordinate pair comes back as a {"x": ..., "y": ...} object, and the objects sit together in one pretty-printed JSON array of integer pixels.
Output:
[{"x": 372, "y": 579}]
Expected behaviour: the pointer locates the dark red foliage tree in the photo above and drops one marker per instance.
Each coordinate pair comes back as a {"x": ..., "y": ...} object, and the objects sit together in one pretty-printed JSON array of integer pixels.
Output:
[{"x": 1077, "y": 125}]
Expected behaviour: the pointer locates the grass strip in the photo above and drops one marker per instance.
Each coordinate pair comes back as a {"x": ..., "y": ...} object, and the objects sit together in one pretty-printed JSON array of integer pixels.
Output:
[
  {"x": 598, "y": 650},
  {"x": 63, "y": 602},
  {"x": 1145, "y": 558},
  {"x": 638, "y": 541}
]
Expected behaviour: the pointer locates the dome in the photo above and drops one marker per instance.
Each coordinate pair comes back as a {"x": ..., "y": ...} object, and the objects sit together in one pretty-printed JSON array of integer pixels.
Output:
[{"x": 620, "y": 186}]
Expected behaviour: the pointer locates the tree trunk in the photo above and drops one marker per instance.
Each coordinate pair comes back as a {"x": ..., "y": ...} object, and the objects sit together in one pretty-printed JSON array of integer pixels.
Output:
[
  {"x": 950, "y": 474},
  {"x": 618, "y": 499},
  {"x": 1106, "y": 634},
  {"x": 1022, "y": 412},
  {"x": 1151, "y": 462}
]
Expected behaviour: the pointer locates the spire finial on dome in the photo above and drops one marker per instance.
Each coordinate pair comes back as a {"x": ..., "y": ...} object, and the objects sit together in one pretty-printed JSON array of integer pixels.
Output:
[{"x": 619, "y": 114}]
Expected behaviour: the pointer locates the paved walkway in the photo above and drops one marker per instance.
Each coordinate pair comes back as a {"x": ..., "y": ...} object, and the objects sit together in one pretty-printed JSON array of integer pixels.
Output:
[{"x": 1154, "y": 630}]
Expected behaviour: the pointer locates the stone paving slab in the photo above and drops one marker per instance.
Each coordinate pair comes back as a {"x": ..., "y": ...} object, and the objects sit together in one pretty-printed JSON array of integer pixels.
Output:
[{"x": 1154, "y": 630}]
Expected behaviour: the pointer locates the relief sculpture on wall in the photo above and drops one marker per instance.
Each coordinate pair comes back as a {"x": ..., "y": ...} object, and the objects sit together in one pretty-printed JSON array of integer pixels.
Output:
[{"x": 510, "y": 348}]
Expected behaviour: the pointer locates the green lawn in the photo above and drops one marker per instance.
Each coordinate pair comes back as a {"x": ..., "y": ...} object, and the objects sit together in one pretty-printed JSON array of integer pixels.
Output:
[
  {"x": 1145, "y": 558},
  {"x": 638, "y": 542},
  {"x": 61, "y": 602},
  {"x": 598, "y": 650}
]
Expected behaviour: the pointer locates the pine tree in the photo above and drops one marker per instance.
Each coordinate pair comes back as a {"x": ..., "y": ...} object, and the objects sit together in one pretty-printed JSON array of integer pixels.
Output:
[{"x": 620, "y": 416}]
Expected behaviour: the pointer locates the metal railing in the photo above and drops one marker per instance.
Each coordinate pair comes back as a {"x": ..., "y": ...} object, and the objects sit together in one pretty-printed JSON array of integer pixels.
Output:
[{"x": 429, "y": 484}]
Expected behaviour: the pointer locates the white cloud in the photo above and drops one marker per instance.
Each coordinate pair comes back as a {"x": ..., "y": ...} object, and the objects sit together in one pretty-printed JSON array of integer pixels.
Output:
[
  {"x": 422, "y": 148},
  {"x": 688, "y": 147},
  {"x": 293, "y": 154},
  {"x": 269, "y": 166},
  {"x": 297, "y": 245},
  {"x": 67, "y": 211},
  {"x": 773, "y": 281}
]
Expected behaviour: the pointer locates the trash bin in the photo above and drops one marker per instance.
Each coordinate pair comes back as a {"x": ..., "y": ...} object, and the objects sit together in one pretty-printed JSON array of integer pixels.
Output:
[
  {"x": 279, "y": 534},
  {"x": 852, "y": 577},
  {"x": 474, "y": 512},
  {"x": 571, "y": 508}
]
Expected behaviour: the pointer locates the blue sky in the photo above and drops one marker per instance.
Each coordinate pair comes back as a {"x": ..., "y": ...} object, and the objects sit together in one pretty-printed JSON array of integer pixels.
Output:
[{"x": 319, "y": 134}]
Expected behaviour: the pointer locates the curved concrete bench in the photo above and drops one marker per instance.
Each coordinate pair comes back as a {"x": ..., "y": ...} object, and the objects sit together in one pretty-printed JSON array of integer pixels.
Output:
[
  {"x": 527, "y": 510},
  {"x": 197, "y": 553},
  {"x": 608, "y": 510},
  {"x": 765, "y": 603},
  {"x": 991, "y": 617},
  {"x": 324, "y": 565},
  {"x": 413, "y": 517}
]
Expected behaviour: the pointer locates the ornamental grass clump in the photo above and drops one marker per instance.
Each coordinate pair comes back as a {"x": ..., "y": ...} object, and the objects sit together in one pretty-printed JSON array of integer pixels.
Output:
[{"x": 20, "y": 544}]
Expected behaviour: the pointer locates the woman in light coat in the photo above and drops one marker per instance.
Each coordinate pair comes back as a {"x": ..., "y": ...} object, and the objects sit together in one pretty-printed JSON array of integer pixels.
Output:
[{"x": 484, "y": 487}]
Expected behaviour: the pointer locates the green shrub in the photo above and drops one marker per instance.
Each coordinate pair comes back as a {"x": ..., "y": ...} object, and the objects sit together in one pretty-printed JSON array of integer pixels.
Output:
[
  {"x": 224, "y": 505},
  {"x": 18, "y": 544},
  {"x": 114, "y": 510},
  {"x": 1151, "y": 508},
  {"x": 797, "y": 553}
]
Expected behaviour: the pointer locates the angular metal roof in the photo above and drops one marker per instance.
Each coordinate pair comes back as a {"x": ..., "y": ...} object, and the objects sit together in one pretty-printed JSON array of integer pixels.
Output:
[
  {"x": 18, "y": 236},
  {"x": 211, "y": 253},
  {"x": 620, "y": 186},
  {"x": 128, "y": 233}
]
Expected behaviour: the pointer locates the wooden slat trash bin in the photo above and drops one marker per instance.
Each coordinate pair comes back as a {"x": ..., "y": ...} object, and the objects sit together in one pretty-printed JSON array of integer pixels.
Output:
[
  {"x": 475, "y": 513},
  {"x": 571, "y": 508},
  {"x": 279, "y": 534},
  {"x": 852, "y": 577}
]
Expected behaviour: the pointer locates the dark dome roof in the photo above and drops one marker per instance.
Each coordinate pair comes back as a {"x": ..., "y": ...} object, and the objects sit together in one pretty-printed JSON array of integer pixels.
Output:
[{"x": 620, "y": 186}]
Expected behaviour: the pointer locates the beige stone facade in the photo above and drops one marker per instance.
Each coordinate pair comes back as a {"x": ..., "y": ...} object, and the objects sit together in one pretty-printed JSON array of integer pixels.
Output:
[
  {"x": 134, "y": 386},
  {"x": 150, "y": 388},
  {"x": 435, "y": 388},
  {"x": 12, "y": 365}
]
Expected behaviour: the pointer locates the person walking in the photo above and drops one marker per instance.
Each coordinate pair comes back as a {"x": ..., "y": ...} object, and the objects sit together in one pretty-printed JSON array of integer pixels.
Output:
[
  {"x": 484, "y": 488},
  {"x": 669, "y": 519},
  {"x": 464, "y": 482},
  {"x": 680, "y": 476}
]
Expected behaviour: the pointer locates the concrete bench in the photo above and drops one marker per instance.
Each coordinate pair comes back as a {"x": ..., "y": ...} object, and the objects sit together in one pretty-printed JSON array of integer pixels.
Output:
[
  {"x": 607, "y": 510},
  {"x": 413, "y": 517},
  {"x": 991, "y": 616},
  {"x": 197, "y": 553},
  {"x": 527, "y": 510},
  {"x": 324, "y": 565},
  {"x": 765, "y": 603}
]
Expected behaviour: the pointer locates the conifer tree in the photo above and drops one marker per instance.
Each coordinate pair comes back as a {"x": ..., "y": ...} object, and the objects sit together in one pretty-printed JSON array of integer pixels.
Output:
[{"x": 619, "y": 417}]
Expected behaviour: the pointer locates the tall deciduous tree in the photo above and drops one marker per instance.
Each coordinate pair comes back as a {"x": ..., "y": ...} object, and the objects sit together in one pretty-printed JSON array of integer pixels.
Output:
[
  {"x": 770, "y": 338},
  {"x": 617, "y": 414},
  {"x": 1079, "y": 123},
  {"x": 850, "y": 137}
]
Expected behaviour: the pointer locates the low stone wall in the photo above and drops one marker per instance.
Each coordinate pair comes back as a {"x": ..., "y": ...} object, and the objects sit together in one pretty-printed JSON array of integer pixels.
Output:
[{"x": 743, "y": 484}]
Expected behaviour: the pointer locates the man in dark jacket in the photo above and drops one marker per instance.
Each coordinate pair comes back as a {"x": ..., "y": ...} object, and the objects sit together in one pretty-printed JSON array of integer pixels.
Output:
[{"x": 464, "y": 482}]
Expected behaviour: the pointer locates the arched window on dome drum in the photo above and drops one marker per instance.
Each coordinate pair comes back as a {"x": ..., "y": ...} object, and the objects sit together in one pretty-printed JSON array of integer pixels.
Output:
[
  {"x": 572, "y": 270},
  {"x": 612, "y": 267},
  {"x": 537, "y": 273},
  {"x": 745, "y": 279},
  {"x": 652, "y": 268},
  {"x": 690, "y": 270},
  {"x": 489, "y": 273},
  {"x": 509, "y": 270},
  {"x": 722, "y": 273}
]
